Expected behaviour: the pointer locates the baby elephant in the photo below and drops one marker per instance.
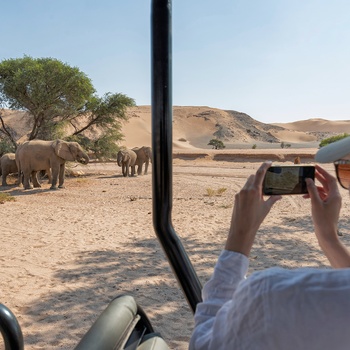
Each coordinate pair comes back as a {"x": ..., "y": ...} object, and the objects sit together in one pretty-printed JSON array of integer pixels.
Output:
[{"x": 7, "y": 166}]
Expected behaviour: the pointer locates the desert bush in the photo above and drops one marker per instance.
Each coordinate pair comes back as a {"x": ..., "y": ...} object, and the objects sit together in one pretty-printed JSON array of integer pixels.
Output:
[
  {"x": 221, "y": 190},
  {"x": 182, "y": 139},
  {"x": 211, "y": 192},
  {"x": 332, "y": 139},
  {"x": 217, "y": 144},
  {"x": 254, "y": 146}
]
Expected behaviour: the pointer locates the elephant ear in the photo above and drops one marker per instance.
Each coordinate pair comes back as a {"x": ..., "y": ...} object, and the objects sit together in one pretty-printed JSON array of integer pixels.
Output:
[{"x": 63, "y": 151}]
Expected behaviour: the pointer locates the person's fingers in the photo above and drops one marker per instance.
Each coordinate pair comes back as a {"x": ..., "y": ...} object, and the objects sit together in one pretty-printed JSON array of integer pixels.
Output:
[
  {"x": 249, "y": 182},
  {"x": 331, "y": 181},
  {"x": 260, "y": 174},
  {"x": 312, "y": 189},
  {"x": 272, "y": 200}
]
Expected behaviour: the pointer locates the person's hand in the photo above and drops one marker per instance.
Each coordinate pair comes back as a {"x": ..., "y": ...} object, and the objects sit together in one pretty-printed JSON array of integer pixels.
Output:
[
  {"x": 249, "y": 211},
  {"x": 325, "y": 208},
  {"x": 325, "y": 203}
]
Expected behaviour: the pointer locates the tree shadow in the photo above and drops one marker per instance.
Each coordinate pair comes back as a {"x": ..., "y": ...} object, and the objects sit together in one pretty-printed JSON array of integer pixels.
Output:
[
  {"x": 17, "y": 191},
  {"x": 94, "y": 278}
]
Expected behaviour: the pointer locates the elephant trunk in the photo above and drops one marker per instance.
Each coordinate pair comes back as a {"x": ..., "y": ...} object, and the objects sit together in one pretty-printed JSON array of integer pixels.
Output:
[
  {"x": 119, "y": 158},
  {"x": 84, "y": 159}
]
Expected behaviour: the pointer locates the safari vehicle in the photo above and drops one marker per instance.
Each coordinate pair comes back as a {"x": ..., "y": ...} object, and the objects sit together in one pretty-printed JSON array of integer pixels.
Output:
[{"x": 123, "y": 324}]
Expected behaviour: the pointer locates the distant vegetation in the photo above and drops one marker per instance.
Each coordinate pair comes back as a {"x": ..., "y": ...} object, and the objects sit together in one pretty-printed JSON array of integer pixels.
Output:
[
  {"x": 285, "y": 145},
  {"x": 332, "y": 139},
  {"x": 55, "y": 96},
  {"x": 217, "y": 144}
]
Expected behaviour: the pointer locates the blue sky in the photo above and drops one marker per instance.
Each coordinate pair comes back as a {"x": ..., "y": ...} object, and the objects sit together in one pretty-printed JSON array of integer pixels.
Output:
[{"x": 276, "y": 60}]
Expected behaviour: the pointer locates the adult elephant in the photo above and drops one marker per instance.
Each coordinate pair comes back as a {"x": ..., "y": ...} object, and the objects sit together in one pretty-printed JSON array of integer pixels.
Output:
[
  {"x": 126, "y": 158},
  {"x": 7, "y": 166},
  {"x": 144, "y": 156},
  {"x": 33, "y": 156}
]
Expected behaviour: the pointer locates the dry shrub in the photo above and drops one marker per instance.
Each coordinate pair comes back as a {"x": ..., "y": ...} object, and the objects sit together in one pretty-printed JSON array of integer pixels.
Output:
[
  {"x": 5, "y": 197},
  {"x": 211, "y": 192}
]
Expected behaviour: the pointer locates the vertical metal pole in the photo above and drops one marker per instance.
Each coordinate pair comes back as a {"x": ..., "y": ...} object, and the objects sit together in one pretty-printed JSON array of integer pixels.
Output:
[{"x": 161, "y": 60}]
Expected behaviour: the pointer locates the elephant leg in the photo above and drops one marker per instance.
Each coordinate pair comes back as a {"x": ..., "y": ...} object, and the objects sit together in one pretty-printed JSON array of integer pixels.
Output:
[
  {"x": 48, "y": 172},
  {"x": 123, "y": 170},
  {"x": 4, "y": 176},
  {"x": 146, "y": 167},
  {"x": 61, "y": 175},
  {"x": 19, "y": 178},
  {"x": 26, "y": 183},
  {"x": 55, "y": 171},
  {"x": 35, "y": 179},
  {"x": 139, "y": 169},
  {"x": 133, "y": 170},
  {"x": 127, "y": 167}
]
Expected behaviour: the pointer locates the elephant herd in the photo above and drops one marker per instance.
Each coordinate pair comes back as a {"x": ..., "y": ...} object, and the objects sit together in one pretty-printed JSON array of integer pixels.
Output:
[
  {"x": 35, "y": 156},
  {"x": 130, "y": 158}
]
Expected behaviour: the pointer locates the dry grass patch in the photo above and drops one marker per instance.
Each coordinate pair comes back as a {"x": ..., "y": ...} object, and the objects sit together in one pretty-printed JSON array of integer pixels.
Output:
[
  {"x": 219, "y": 192},
  {"x": 5, "y": 197}
]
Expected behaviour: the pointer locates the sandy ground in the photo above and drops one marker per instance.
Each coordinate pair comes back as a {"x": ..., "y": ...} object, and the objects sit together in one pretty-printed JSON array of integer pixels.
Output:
[{"x": 66, "y": 253}]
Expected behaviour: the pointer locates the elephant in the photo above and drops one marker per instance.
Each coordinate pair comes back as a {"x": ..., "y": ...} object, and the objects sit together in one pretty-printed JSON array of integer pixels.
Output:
[
  {"x": 35, "y": 155},
  {"x": 126, "y": 158},
  {"x": 7, "y": 166},
  {"x": 144, "y": 156}
]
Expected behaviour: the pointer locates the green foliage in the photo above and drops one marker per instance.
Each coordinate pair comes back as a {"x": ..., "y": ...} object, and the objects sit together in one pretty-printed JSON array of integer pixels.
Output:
[
  {"x": 57, "y": 96},
  {"x": 6, "y": 147},
  {"x": 217, "y": 144},
  {"x": 49, "y": 89},
  {"x": 105, "y": 113},
  {"x": 101, "y": 148},
  {"x": 332, "y": 139},
  {"x": 254, "y": 146}
]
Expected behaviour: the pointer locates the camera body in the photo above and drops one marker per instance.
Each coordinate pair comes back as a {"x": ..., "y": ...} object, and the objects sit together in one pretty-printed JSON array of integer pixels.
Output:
[{"x": 287, "y": 179}]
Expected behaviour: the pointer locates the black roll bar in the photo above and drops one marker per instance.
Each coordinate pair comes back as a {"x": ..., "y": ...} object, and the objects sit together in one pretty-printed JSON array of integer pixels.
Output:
[
  {"x": 10, "y": 329},
  {"x": 161, "y": 73}
]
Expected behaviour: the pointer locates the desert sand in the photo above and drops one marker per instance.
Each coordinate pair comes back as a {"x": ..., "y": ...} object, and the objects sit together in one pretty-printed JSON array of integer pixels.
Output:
[{"x": 66, "y": 253}]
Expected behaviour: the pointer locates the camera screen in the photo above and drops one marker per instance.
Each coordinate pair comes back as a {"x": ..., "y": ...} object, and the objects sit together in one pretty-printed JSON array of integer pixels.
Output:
[{"x": 287, "y": 179}]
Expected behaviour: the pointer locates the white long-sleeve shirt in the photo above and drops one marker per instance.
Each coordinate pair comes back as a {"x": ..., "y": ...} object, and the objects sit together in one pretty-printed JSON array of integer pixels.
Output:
[{"x": 274, "y": 309}]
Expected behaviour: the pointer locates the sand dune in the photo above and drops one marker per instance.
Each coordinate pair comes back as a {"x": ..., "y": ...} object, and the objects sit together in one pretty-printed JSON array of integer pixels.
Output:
[
  {"x": 194, "y": 127},
  {"x": 318, "y": 124}
]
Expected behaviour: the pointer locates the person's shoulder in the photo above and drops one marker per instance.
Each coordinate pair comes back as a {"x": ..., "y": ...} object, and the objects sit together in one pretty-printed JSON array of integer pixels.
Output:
[{"x": 277, "y": 278}]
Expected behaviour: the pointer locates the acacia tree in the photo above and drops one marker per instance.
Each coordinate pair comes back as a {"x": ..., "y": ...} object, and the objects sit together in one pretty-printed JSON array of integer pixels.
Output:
[
  {"x": 55, "y": 94},
  {"x": 217, "y": 144}
]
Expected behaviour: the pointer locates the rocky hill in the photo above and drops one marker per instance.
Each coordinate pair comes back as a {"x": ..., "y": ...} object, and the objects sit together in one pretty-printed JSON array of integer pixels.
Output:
[{"x": 195, "y": 126}]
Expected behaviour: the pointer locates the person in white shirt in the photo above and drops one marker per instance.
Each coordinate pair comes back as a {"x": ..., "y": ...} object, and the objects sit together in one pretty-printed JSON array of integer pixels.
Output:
[{"x": 305, "y": 308}]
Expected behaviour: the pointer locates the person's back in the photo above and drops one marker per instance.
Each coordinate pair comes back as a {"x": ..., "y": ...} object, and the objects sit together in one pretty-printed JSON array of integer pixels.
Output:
[{"x": 274, "y": 309}]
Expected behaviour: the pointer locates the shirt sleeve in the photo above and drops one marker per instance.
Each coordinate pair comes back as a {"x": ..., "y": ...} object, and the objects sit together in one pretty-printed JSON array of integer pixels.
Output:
[{"x": 229, "y": 271}]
